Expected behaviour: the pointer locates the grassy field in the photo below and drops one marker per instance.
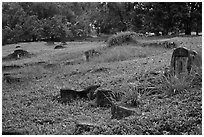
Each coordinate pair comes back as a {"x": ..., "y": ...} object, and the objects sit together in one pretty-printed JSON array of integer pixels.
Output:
[{"x": 29, "y": 100}]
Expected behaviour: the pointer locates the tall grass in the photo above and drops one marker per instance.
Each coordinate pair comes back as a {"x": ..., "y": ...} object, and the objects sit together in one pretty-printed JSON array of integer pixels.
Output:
[
  {"x": 174, "y": 85},
  {"x": 131, "y": 97},
  {"x": 121, "y": 53}
]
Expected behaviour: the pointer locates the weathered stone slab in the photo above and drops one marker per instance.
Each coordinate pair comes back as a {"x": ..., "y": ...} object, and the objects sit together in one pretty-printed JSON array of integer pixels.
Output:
[
  {"x": 90, "y": 53},
  {"x": 59, "y": 47},
  {"x": 84, "y": 126},
  {"x": 182, "y": 61},
  {"x": 170, "y": 44},
  {"x": 12, "y": 78},
  {"x": 68, "y": 95},
  {"x": 90, "y": 91},
  {"x": 119, "y": 112},
  {"x": 15, "y": 132},
  {"x": 104, "y": 98},
  {"x": 18, "y": 46},
  {"x": 191, "y": 60}
]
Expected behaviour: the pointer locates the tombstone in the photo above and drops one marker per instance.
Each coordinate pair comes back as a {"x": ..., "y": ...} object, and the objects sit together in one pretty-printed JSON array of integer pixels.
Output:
[
  {"x": 50, "y": 43},
  {"x": 119, "y": 112},
  {"x": 59, "y": 47},
  {"x": 15, "y": 132},
  {"x": 171, "y": 45},
  {"x": 67, "y": 95},
  {"x": 90, "y": 53},
  {"x": 167, "y": 72},
  {"x": 11, "y": 79},
  {"x": 86, "y": 53},
  {"x": 90, "y": 90},
  {"x": 18, "y": 46},
  {"x": 84, "y": 126},
  {"x": 63, "y": 43},
  {"x": 191, "y": 59},
  {"x": 104, "y": 98},
  {"x": 165, "y": 43},
  {"x": 181, "y": 61}
]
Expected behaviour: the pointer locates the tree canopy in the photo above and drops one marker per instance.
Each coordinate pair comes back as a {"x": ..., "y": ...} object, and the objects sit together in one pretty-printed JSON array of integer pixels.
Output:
[{"x": 60, "y": 21}]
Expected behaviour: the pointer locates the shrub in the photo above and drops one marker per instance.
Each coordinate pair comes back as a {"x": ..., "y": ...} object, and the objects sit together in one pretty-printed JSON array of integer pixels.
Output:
[{"x": 122, "y": 37}]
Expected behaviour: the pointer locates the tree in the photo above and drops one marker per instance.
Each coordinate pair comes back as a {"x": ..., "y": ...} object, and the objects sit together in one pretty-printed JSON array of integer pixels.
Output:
[
  {"x": 12, "y": 20},
  {"x": 31, "y": 28},
  {"x": 171, "y": 17},
  {"x": 197, "y": 15},
  {"x": 191, "y": 15},
  {"x": 31, "y": 21},
  {"x": 54, "y": 29},
  {"x": 6, "y": 35}
]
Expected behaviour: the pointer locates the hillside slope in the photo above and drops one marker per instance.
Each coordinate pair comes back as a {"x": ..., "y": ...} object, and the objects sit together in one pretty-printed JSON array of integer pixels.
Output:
[{"x": 30, "y": 92}]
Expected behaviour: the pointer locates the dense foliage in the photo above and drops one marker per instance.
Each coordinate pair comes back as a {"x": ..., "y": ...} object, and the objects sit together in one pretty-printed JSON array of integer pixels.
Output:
[{"x": 30, "y": 21}]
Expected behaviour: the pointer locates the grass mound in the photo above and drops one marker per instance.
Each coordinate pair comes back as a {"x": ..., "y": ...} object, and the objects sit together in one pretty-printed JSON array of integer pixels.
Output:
[
  {"x": 59, "y": 47},
  {"x": 18, "y": 54},
  {"x": 122, "y": 37}
]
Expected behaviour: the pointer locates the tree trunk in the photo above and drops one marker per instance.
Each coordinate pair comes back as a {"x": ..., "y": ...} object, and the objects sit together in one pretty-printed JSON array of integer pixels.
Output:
[
  {"x": 189, "y": 19},
  {"x": 165, "y": 32},
  {"x": 188, "y": 26},
  {"x": 197, "y": 27}
]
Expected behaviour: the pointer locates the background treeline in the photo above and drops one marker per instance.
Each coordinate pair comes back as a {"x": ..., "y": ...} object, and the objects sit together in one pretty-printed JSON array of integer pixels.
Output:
[{"x": 28, "y": 21}]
